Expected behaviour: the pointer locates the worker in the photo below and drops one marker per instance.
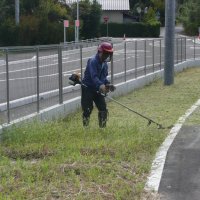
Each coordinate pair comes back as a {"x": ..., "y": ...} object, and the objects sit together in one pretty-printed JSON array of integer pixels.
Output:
[{"x": 95, "y": 84}]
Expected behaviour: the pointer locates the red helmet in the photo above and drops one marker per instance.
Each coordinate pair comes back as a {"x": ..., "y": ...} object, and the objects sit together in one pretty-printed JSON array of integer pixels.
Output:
[{"x": 105, "y": 47}]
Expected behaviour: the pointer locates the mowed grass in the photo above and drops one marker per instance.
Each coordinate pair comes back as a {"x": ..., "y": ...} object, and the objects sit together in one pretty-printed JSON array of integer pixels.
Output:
[{"x": 62, "y": 160}]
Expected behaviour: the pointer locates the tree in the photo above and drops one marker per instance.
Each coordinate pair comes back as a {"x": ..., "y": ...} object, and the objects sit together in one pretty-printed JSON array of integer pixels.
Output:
[
  {"x": 159, "y": 6},
  {"x": 90, "y": 14},
  {"x": 150, "y": 17},
  {"x": 7, "y": 9},
  {"x": 95, "y": 16},
  {"x": 29, "y": 7},
  {"x": 3, "y": 10},
  {"x": 189, "y": 15}
]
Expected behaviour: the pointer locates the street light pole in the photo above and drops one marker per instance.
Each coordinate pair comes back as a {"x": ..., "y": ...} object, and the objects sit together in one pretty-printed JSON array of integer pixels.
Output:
[{"x": 16, "y": 12}]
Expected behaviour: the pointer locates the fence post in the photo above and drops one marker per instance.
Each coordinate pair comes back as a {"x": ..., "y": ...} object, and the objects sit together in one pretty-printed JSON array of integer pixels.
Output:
[
  {"x": 185, "y": 49},
  {"x": 112, "y": 70},
  {"x": 145, "y": 57},
  {"x": 160, "y": 55},
  {"x": 194, "y": 47},
  {"x": 181, "y": 49},
  {"x": 81, "y": 61},
  {"x": 60, "y": 74},
  {"x": 7, "y": 87},
  {"x": 153, "y": 55},
  {"x": 38, "y": 79},
  {"x": 125, "y": 61},
  {"x": 135, "y": 58},
  {"x": 177, "y": 50}
]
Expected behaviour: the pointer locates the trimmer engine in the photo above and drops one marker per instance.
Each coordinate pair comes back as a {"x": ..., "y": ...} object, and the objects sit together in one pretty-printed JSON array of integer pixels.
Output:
[{"x": 74, "y": 79}]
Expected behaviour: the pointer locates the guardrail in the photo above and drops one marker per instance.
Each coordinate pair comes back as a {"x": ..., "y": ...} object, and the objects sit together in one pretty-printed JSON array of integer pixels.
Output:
[{"x": 35, "y": 78}]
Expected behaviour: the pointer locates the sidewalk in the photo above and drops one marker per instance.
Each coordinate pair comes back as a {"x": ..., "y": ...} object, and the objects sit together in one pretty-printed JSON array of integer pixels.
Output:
[
  {"x": 175, "y": 173},
  {"x": 181, "y": 174}
]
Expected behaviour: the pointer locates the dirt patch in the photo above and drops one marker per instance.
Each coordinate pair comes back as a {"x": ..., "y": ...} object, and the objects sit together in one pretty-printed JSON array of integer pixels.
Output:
[{"x": 28, "y": 154}]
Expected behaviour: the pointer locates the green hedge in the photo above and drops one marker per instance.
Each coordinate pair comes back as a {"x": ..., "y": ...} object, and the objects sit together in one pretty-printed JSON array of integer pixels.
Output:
[
  {"x": 191, "y": 29},
  {"x": 130, "y": 29},
  {"x": 33, "y": 31},
  {"x": 8, "y": 33}
]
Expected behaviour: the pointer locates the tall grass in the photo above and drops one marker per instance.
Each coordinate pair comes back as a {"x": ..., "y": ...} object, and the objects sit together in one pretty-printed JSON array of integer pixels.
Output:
[{"x": 62, "y": 160}]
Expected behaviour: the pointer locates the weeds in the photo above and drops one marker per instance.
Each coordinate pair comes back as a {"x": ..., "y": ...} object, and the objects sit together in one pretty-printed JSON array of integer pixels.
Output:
[{"x": 62, "y": 160}]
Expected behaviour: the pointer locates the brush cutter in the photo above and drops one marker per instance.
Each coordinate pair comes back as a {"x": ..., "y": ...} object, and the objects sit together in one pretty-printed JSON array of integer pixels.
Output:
[{"x": 75, "y": 79}]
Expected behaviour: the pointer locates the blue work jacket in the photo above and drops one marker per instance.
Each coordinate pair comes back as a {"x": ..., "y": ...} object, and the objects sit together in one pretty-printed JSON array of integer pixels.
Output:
[{"x": 95, "y": 73}]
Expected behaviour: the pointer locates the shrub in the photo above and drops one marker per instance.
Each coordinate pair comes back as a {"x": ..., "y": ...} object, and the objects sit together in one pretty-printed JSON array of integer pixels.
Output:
[
  {"x": 9, "y": 33},
  {"x": 131, "y": 30}
]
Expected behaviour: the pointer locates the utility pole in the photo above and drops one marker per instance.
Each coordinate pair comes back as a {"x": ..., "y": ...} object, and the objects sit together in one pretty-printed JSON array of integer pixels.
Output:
[
  {"x": 16, "y": 12},
  {"x": 169, "y": 41}
]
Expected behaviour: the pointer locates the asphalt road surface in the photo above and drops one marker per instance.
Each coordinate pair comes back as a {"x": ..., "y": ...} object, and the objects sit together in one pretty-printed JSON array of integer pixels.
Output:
[
  {"x": 181, "y": 175},
  {"x": 22, "y": 73},
  {"x": 140, "y": 57}
]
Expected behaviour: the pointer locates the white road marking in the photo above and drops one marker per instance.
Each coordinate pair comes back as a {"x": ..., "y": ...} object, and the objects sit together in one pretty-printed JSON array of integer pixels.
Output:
[
  {"x": 74, "y": 70},
  {"x": 41, "y": 66},
  {"x": 154, "y": 178}
]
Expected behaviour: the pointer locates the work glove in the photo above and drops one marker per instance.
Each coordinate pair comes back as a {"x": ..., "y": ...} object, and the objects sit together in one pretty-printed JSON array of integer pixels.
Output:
[
  {"x": 110, "y": 87},
  {"x": 103, "y": 89}
]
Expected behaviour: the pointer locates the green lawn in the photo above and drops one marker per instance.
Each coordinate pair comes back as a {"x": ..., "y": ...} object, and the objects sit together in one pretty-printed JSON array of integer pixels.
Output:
[{"x": 63, "y": 160}]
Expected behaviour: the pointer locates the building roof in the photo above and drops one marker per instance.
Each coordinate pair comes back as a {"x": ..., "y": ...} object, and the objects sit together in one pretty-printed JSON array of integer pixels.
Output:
[{"x": 109, "y": 4}]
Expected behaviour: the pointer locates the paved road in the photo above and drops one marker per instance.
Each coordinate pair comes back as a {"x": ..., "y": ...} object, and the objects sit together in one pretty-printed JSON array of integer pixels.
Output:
[
  {"x": 22, "y": 73},
  {"x": 181, "y": 174},
  {"x": 142, "y": 56}
]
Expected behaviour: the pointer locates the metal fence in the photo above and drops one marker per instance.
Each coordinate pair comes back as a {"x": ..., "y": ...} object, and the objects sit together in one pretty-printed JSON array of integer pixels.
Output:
[{"x": 35, "y": 78}]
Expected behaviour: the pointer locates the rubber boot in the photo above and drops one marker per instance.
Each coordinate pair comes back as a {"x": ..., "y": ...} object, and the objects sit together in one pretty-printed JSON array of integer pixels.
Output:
[
  {"x": 102, "y": 118},
  {"x": 86, "y": 116},
  {"x": 86, "y": 121}
]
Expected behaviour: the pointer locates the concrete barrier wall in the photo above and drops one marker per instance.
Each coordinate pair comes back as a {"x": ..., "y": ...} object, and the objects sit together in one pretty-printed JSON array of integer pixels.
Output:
[{"x": 72, "y": 105}]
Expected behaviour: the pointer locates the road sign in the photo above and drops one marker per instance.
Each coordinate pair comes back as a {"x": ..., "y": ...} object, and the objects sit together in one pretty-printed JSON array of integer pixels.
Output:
[
  {"x": 77, "y": 23},
  {"x": 66, "y": 23},
  {"x": 106, "y": 18}
]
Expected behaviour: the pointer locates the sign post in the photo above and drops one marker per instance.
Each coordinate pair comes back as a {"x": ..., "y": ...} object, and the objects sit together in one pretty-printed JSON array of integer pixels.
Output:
[
  {"x": 106, "y": 18},
  {"x": 77, "y": 24},
  {"x": 66, "y": 25}
]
